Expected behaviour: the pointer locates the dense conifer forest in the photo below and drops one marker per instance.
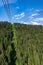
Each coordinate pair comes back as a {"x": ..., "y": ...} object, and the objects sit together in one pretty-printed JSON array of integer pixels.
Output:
[{"x": 21, "y": 44}]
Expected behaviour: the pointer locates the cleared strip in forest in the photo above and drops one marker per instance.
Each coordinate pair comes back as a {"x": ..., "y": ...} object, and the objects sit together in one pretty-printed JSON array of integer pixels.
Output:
[
  {"x": 14, "y": 36},
  {"x": 14, "y": 42}
]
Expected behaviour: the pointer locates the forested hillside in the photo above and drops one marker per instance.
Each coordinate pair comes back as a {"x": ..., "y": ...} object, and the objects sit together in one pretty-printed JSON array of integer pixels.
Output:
[
  {"x": 29, "y": 44},
  {"x": 5, "y": 43},
  {"x": 21, "y": 44}
]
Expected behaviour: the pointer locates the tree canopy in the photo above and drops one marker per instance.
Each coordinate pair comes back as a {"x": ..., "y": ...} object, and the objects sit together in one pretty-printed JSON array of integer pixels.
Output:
[{"x": 21, "y": 44}]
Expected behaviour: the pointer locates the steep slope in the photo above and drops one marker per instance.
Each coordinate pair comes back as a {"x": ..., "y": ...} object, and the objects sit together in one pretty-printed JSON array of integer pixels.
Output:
[
  {"x": 5, "y": 43},
  {"x": 29, "y": 44},
  {"x": 14, "y": 44},
  {"x": 21, "y": 44},
  {"x": 8, "y": 43}
]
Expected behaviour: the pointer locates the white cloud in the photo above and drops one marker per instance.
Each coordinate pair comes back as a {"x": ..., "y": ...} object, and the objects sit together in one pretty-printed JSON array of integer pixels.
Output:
[
  {"x": 19, "y": 16},
  {"x": 23, "y": 22},
  {"x": 38, "y": 19},
  {"x": 16, "y": 15},
  {"x": 34, "y": 14},
  {"x": 22, "y": 14},
  {"x": 32, "y": 23},
  {"x": 31, "y": 17},
  {"x": 35, "y": 23},
  {"x": 35, "y": 19}
]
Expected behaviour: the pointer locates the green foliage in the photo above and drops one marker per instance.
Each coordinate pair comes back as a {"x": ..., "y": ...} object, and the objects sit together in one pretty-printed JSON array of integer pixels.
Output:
[
  {"x": 5, "y": 43},
  {"x": 21, "y": 44},
  {"x": 14, "y": 42},
  {"x": 29, "y": 44}
]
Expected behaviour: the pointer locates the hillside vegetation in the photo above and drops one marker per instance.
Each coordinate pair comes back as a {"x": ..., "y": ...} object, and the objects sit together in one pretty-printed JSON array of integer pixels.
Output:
[{"x": 21, "y": 44}]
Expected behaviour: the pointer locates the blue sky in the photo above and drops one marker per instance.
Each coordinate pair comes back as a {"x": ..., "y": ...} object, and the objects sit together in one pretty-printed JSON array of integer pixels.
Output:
[{"x": 23, "y": 11}]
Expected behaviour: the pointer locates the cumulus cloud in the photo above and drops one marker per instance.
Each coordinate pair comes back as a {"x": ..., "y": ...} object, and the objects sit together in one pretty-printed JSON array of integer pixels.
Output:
[
  {"x": 19, "y": 16},
  {"x": 24, "y": 22},
  {"x": 35, "y": 23},
  {"x": 38, "y": 19},
  {"x": 35, "y": 20},
  {"x": 33, "y": 15}
]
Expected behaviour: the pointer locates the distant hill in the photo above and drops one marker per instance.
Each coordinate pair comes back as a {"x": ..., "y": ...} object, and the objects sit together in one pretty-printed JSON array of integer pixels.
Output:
[{"x": 21, "y": 44}]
